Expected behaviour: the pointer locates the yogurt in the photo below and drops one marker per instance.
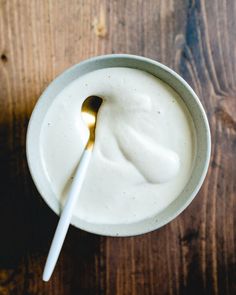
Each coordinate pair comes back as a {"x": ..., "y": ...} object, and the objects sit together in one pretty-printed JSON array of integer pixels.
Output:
[{"x": 144, "y": 150}]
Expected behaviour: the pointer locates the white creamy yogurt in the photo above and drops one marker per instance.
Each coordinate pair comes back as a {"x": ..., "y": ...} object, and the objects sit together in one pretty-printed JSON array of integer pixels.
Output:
[{"x": 144, "y": 150}]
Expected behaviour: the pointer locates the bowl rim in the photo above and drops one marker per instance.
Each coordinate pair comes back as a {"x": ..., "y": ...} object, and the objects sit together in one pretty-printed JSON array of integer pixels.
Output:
[{"x": 184, "y": 205}]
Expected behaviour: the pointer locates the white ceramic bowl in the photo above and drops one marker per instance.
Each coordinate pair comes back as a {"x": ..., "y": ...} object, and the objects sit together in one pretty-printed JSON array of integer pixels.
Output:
[{"x": 164, "y": 73}]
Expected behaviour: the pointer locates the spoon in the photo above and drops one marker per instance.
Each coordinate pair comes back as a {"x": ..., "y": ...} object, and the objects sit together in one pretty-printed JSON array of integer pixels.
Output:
[{"x": 89, "y": 111}]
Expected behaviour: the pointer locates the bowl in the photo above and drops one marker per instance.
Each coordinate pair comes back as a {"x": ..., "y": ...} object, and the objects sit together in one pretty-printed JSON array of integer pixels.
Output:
[{"x": 203, "y": 141}]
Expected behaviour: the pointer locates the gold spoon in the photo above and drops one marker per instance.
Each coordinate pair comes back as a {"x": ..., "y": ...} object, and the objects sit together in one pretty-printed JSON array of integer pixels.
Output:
[{"x": 89, "y": 112}]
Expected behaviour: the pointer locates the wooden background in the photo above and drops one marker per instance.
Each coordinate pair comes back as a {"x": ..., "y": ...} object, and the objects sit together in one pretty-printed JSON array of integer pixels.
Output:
[{"x": 194, "y": 254}]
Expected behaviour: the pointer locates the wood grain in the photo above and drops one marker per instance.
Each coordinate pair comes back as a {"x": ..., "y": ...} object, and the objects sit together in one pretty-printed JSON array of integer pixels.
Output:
[{"x": 194, "y": 254}]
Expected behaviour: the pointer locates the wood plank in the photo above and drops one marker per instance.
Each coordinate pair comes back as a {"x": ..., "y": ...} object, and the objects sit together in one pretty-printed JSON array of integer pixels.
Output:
[{"x": 194, "y": 254}]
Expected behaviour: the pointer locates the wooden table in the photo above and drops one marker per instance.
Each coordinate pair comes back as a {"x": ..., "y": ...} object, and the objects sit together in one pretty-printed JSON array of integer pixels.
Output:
[{"x": 195, "y": 253}]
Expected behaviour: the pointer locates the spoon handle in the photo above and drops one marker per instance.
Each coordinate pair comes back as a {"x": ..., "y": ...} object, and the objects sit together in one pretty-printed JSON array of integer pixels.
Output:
[{"x": 66, "y": 215}]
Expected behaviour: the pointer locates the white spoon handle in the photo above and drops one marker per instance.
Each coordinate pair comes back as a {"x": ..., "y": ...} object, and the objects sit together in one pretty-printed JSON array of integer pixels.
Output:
[{"x": 66, "y": 215}]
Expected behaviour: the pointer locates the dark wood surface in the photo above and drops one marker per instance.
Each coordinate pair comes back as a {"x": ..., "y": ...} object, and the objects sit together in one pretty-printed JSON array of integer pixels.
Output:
[{"x": 195, "y": 253}]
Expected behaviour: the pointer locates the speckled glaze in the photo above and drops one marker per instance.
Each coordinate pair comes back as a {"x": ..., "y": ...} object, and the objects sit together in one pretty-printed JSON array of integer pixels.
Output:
[{"x": 203, "y": 145}]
